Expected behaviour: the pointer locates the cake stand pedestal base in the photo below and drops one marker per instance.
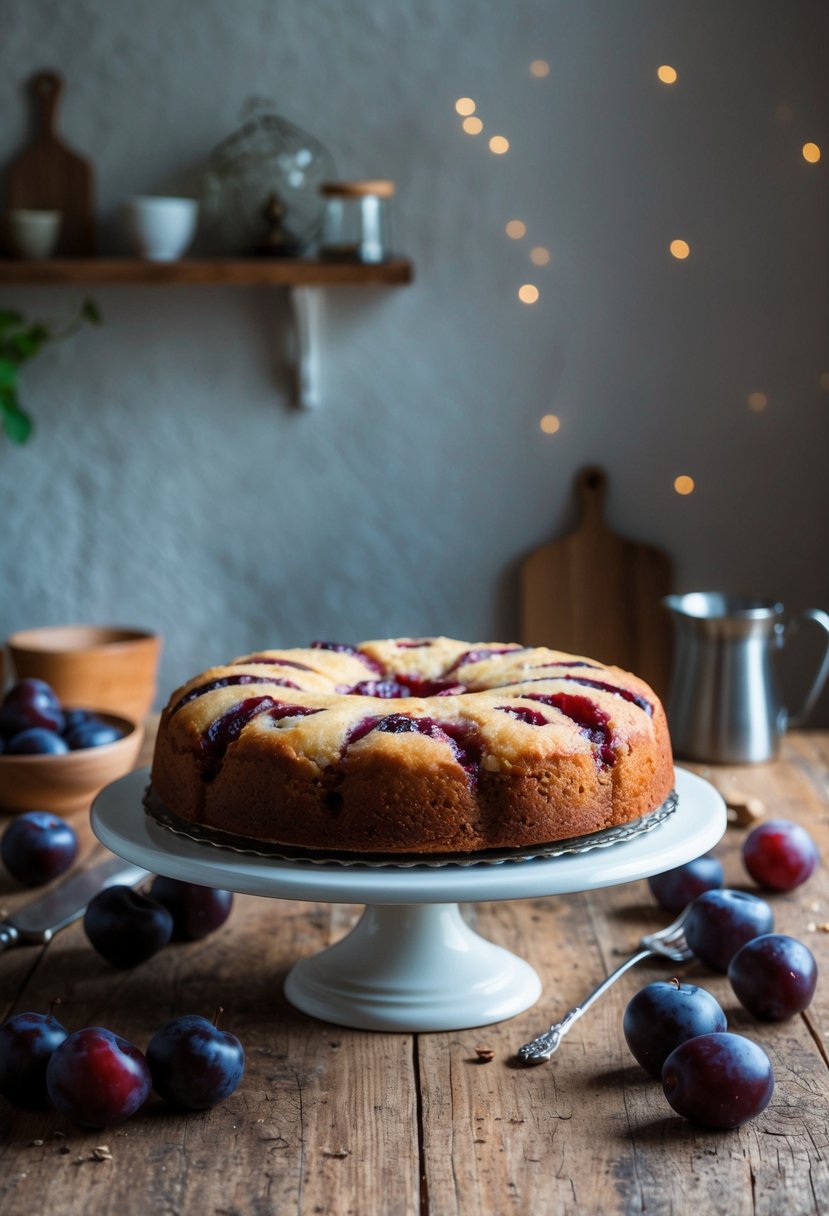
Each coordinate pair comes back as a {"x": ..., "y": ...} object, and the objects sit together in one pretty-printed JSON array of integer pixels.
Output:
[{"x": 413, "y": 967}]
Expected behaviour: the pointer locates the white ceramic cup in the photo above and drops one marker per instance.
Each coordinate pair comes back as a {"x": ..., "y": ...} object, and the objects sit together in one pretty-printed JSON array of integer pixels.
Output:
[
  {"x": 32, "y": 234},
  {"x": 161, "y": 229}
]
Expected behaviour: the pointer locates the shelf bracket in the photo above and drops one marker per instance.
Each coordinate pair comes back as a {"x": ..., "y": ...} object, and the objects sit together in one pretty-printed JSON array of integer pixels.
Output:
[{"x": 307, "y": 309}]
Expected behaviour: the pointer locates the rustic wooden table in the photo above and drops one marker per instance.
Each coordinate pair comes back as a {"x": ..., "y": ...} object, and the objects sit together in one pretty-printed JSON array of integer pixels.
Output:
[{"x": 335, "y": 1121}]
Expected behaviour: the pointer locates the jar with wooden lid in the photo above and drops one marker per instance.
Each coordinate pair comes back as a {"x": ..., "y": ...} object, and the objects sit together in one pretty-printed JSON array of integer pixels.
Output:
[{"x": 356, "y": 222}]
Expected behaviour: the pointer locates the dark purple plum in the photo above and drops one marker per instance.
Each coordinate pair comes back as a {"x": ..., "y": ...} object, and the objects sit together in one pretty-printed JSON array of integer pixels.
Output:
[
  {"x": 195, "y": 1065},
  {"x": 664, "y": 1014},
  {"x": 774, "y": 976},
  {"x": 27, "y": 1041},
  {"x": 93, "y": 733},
  {"x": 779, "y": 855},
  {"x": 30, "y": 703},
  {"x": 196, "y": 910},
  {"x": 38, "y": 846},
  {"x": 675, "y": 889},
  {"x": 380, "y": 688},
  {"x": 720, "y": 922},
  {"x": 95, "y": 1078},
  {"x": 718, "y": 1080},
  {"x": 125, "y": 927},
  {"x": 37, "y": 741}
]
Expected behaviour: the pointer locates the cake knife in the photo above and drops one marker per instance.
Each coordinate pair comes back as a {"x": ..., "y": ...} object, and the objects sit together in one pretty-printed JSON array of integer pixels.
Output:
[{"x": 37, "y": 922}]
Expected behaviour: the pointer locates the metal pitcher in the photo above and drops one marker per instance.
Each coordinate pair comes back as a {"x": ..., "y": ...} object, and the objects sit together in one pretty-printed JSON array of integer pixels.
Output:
[{"x": 723, "y": 704}]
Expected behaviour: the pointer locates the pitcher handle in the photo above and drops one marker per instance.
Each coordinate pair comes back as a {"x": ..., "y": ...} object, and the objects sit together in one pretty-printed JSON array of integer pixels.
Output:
[{"x": 820, "y": 618}]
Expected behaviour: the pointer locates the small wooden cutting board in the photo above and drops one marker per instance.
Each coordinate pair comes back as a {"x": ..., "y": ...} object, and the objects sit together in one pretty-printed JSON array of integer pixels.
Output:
[
  {"x": 49, "y": 176},
  {"x": 598, "y": 594}
]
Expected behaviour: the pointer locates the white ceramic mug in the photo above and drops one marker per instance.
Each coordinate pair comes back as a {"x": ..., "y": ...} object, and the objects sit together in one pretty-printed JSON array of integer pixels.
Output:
[
  {"x": 32, "y": 234},
  {"x": 161, "y": 229}
]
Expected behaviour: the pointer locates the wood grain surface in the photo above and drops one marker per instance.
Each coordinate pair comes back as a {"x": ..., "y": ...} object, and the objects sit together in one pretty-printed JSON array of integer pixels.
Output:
[
  {"x": 239, "y": 272},
  {"x": 50, "y": 176},
  {"x": 335, "y": 1121},
  {"x": 598, "y": 594}
]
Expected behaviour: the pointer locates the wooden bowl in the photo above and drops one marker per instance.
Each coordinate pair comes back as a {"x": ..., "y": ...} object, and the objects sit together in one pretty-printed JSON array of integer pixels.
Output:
[
  {"x": 68, "y": 781},
  {"x": 112, "y": 669}
]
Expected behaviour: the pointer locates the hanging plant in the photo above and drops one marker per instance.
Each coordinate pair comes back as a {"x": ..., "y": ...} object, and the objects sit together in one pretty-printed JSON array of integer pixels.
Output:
[{"x": 20, "y": 341}]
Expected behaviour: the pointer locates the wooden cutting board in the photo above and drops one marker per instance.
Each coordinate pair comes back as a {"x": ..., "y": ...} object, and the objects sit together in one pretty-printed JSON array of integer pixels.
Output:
[
  {"x": 49, "y": 176},
  {"x": 598, "y": 594}
]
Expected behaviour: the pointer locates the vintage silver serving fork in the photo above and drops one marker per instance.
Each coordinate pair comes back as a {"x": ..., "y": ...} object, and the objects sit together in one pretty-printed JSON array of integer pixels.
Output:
[{"x": 668, "y": 943}]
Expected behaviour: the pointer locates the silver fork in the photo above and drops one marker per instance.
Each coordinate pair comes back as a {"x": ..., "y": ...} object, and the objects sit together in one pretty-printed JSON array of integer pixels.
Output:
[{"x": 668, "y": 943}]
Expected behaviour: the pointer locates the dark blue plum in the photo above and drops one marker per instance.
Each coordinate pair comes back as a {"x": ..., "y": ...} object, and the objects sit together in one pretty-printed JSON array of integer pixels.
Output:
[
  {"x": 76, "y": 717},
  {"x": 95, "y": 1078},
  {"x": 675, "y": 889},
  {"x": 27, "y": 1041},
  {"x": 38, "y": 846},
  {"x": 30, "y": 703},
  {"x": 196, "y": 910},
  {"x": 125, "y": 927},
  {"x": 664, "y": 1014},
  {"x": 718, "y": 1080},
  {"x": 195, "y": 1065},
  {"x": 720, "y": 922},
  {"x": 37, "y": 741},
  {"x": 774, "y": 976},
  {"x": 93, "y": 733}
]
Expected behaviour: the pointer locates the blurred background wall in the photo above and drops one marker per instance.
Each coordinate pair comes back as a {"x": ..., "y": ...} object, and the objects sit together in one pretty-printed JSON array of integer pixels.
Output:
[{"x": 171, "y": 483}]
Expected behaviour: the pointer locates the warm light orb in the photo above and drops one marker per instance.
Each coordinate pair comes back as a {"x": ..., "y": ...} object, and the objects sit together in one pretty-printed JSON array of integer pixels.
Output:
[
  {"x": 811, "y": 153},
  {"x": 528, "y": 293},
  {"x": 667, "y": 74},
  {"x": 539, "y": 68},
  {"x": 465, "y": 105},
  {"x": 549, "y": 424},
  {"x": 516, "y": 229},
  {"x": 757, "y": 401},
  {"x": 473, "y": 126},
  {"x": 684, "y": 485},
  {"x": 680, "y": 249},
  {"x": 823, "y": 380},
  {"x": 539, "y": 256},
  {"x": 499, "y": 145}
]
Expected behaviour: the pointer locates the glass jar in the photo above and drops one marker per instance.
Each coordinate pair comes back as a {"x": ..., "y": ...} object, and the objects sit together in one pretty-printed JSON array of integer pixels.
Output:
[
  {"x": 356, "y": 221},
  {"x": 267, "y": 156}
]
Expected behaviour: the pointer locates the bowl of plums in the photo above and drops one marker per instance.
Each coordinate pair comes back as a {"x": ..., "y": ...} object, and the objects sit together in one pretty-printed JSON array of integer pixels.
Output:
[{"x": 56, "y": 757}]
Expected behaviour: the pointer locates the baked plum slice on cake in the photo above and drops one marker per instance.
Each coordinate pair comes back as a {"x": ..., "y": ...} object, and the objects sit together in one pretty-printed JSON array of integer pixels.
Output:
[{"x": 412, "y": 745}]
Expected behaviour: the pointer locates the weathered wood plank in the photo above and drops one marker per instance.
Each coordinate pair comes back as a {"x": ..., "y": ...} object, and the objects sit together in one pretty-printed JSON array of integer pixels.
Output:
[
  {"x": 596, "y": 1133},
  {"x": 323, "y": 1122}
]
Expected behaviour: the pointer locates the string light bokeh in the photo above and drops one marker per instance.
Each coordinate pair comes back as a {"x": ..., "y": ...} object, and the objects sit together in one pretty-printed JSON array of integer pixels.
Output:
[{"x": 679, "y": 248}]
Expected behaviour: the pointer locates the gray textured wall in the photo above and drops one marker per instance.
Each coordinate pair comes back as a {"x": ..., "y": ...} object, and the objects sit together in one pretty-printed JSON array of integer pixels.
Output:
[{"x": 172, "y": 484}]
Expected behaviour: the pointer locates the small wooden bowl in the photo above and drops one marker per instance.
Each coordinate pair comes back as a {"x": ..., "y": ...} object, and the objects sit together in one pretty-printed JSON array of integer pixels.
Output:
[
  {"x": 69, "y": 781},
  {"x": 113, "y": 669}
]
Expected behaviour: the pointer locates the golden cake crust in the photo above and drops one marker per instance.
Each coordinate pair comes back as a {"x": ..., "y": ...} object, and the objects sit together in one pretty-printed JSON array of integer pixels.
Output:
[{"x": 412, "y": 745}]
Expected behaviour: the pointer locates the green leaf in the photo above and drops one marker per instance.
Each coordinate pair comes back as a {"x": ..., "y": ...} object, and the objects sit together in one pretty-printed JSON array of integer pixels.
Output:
[
  {"x": 26, "y": 342},
  {"x": 9, "y": 320},
  {"x": 16, "y": 423},
  {"x": 8, "y": 374},
  {"x": 90, "y": 312}
]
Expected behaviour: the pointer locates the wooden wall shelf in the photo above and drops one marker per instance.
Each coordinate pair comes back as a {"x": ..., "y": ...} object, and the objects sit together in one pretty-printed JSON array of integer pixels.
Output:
[
  {"x": 302, "y": 277},
  {"x": 242, "y": 272}
]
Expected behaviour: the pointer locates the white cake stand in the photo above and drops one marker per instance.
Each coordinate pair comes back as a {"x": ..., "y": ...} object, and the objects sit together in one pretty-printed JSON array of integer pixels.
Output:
[{"x": 411, "y": 963}]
